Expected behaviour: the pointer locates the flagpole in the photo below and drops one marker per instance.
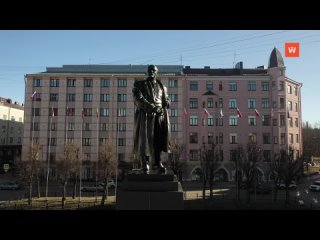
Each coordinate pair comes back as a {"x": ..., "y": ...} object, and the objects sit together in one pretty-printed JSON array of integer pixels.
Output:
[
  {"x": 117, "y": 149},
  {"x": 80, "y": 180},
  {"x": 98, "y": 155},
  {"x": 49, "y": 148}
]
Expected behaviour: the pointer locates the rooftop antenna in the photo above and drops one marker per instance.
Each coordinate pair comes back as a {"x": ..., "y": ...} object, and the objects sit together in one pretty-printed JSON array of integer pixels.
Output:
[{"x": 234, "y": 58}]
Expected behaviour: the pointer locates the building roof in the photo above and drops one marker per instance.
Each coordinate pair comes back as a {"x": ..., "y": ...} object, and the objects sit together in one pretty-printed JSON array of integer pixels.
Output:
[
  {"x": 8, "y": 103},
  {"x": 115, "y": 69},
  {"x": 275, "y": 59},
  {"x": 224, "y": 71}
]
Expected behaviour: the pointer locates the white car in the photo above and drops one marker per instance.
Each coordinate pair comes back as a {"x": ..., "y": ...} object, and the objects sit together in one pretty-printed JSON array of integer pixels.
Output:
[{"x": 315, "y": 186}]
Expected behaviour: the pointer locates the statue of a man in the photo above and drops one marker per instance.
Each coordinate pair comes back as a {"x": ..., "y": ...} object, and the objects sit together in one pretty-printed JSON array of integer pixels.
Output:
[{"x": 151, "y": 125}]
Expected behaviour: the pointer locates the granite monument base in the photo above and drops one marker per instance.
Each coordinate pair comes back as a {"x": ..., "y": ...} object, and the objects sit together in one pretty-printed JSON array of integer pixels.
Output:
[{"x": 150, "y": 192}]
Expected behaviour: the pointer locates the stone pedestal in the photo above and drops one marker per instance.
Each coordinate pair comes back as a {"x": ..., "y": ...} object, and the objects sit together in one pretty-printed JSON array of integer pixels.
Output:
[{"x": 150, "y": 192}]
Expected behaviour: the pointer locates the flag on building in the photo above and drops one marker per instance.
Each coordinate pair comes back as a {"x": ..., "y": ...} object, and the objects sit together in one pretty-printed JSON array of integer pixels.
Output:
[
  {"x": 257, "y": 113},
  {"x": 32, "y": 96},
  {"x": 221, "y": 113},
  {"x": 185, "y": 113},
  {"x": 239, "y": 113},
  {"x": 206, "y": 112}
]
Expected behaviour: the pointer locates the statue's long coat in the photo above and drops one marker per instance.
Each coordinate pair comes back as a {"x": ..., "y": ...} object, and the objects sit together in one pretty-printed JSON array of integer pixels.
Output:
[{"x": 144, "y": 120}]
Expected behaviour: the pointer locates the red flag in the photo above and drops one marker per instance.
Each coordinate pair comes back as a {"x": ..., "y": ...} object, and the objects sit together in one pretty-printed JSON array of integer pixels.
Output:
[
  {"x": 239, "y": 113},
  {"x": 257, "y": 113},
  {"x": 32, "y": 96},
  {"x": 185, "y": 113},
  {"x": 206, "y": 112},
  {"x": 221, "y": 113}
]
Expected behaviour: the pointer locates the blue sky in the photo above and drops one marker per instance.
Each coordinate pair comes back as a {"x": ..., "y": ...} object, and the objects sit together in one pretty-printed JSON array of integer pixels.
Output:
[{"x": 25, "y": 52}]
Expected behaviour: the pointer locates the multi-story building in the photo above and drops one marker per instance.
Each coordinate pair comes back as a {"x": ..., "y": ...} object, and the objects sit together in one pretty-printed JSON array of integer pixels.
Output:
[
  {"x": 269, "y": 102},
  {"x": 11, "y": 132}
]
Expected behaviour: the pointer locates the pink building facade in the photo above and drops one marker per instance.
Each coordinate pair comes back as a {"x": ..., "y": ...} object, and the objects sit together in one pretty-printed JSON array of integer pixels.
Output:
[{"x": 269, "y": 103}]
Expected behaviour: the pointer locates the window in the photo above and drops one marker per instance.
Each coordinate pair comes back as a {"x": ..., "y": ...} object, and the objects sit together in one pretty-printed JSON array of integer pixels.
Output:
[
  {"x": 210, "y": 102},
  {"x": 103, "y": 127},
  {"x": 296, "y": 123},
  {"x": 104, "y": 112},
  {"x": 87, "y": 82},
  {"x": 173, "y": 83},
  {"x": 265, "y": 86},
  {"x": 54, "y": 97},
  {"x": 290, "y": 122},
  {"x": 38, "y": 97},
  {"x": 86, "y": 127},
  {"x": 251, "y": 86},
  {"x": 233, "y": 138},
  {"x": 70, "y": 112},
  {"x": 193, "y": 137},
  {"x": 52, "y": 142},
  {"x": 174, "y": 127},
  {"x": 122, "y": 127},
  {"x": 122, "y": 82},
  {"x": 290, "y": 138},
  {"x": 220, "y": 103},
  {"x": 233, "y": 121},
  {"x": 37, "y": 82},
  {"x": 105, "y": 83},
  {"x": 296, "y": 107},
  {"x": 297, "y": 138},
  {"x": 282, "y": 121},
  {"x": 281, "y": 85},
  {"x": 220, "y": 86},
  {"x": 54, "y": 82},
  {"x": 55, "y": 111},
  {"x": 233, "y": 103},
  {"x": 221, "y": 138},
  {"x": 295, "y": 89},
  {"x": 209, "y": 85},
  {"x": 35, "y": 127},
  {"x": 194, "y": 156},
  {"x": 252, "y": 120},
  {"x": 275, "y": 122},
  {"x": 266, "y": 138},
  {"x": 122, "y": 97},
  {"x": 289, "y": 89},
  {"x": 233, "y": 155},
  {"x": 173, "y": 97},
  {"x": 290, "y": 105},
  {"x": 210, "y": 138},
  {"x": 193, "y": 86},
  {"x": 121, "y": 112},
  {"x": 87, "y": 97},
  {"x": 174, "y": 112},
  {"x": 13, "y": 118},
  {"x": 251, "y": 103},
  {"x": 232, "y": 86},
  {"x": 265, "y": 120},
  {"x": 71, "y": 82},
  {"x": 275, "y": 139},
  {"x": 71, "y": 97},
  {"x": 266, "y": 155},
  {"x": 210, "y": 120},
  {"x": 282, "y": 138},
  {"x": 122, "y": 142},
  {"x": 193, "y": 121},
  {"x": 4, "y": 117},
  {"x": 70, "y": 126},
  {"x": 86, "y": 141},
  {"x": 193, "y": 103},
  {"x": 35, "y": 111},
  {"x": 105, "y": 97},
  {"x": 87, "y": 112},
  {"x": 281, "y": 102},
  {"x": 252, "y": 138},
  {"x": 121, "y": 157},
  {"x": 102, "y": 141},
  {"x": 265, "y": 103},
  {"x": 219, "y": 121}
]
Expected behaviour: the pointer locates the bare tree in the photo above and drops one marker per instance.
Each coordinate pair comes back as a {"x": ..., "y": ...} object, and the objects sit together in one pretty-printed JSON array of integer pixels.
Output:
[
  {"x": 174, "y": 162},
  {"x": 276, "y": 168},
  {"x": 247, "y": 161},
  {"x": 28, "y": 169},
  {"x": 67, "y": 167},
  {"x": 209, "y": 160},
  {"x": 108, "y": 165}
]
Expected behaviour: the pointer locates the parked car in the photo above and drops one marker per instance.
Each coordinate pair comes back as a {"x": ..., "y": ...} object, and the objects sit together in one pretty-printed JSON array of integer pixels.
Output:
[
  {"x": 99, "y": 187},
  {"x": 315, "y": 186},
  {"x": 9, "y": 186},
  {"x": 292, "y": 185}
]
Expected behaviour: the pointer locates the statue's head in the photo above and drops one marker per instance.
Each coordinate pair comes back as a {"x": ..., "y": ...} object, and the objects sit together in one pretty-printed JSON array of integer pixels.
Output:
[{"x": 152, "y": 70}]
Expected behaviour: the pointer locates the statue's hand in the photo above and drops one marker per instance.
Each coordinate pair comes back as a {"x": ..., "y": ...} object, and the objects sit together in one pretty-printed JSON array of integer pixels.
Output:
[{"x": 159, "y": 110}]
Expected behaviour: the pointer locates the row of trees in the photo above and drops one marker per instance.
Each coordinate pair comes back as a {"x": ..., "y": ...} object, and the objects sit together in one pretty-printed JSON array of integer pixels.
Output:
[
  {"x": 32, "y": 169},
  {"x": 247, "y": 160}
]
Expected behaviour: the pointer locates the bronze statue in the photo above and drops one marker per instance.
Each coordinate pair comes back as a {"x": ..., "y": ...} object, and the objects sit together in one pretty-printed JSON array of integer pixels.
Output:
[{"x": 151, "y": 121}]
